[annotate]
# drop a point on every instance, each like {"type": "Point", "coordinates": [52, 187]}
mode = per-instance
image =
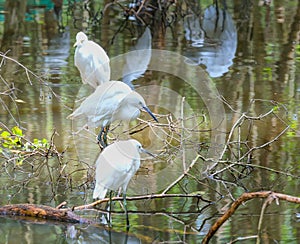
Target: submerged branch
{"type": "Point", "coordinates": [243, 198]}
{"type": "Point", "coordinates": [143, 197]}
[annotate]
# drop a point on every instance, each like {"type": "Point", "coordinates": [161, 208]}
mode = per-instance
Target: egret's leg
{"type": "Point", "coordinates": [108, 207]}
{"type": "Point", "coordinates": [102, 137]}
{"type": "Point", "coordinates": [109, 213]}
{"type": "Point", "coordinates": [99, 137]}
{"type": "Point", "coordinates": [106, 128]}
{"type": "Point", "coordinates": [125, 209]}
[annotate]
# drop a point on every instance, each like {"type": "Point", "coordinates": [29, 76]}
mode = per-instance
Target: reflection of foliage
{"type": "Point", "coordinates": [160, 14]}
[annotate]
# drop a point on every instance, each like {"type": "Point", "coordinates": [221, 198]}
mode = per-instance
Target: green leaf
{"type": "Point", "coordinates": [275, 108]}
{"type": "Point", "coordinates": [45, 142]}
{"type": "Point", "coordinates": [5, 145]}
{"type": "Point", "coordinates": [5, 134]}
{"type": "Point", "coordinates": [17, 131]}
{"type": "Point", "coordinates": [20, 161]}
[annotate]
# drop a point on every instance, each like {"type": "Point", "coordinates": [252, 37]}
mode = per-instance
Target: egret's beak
{"type": "Point", "coordinates": [77, 43]}
{"type": "Point", "coordinates": [149, 153]}
{"type": "Point", "coordinates": [149, 112]}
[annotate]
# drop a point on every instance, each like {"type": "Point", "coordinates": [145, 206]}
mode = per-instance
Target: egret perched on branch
{"type": "Point", "coordinates": [91, 61]}
{"type": "Point", "coordinates": [115, 167]}
{"type": "Point", "coordinates": [111, 101]}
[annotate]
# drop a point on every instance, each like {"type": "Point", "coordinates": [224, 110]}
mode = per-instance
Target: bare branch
{"type": "Point", "coordinates": [243, 198]}
{"type": "Point", "coordinates": [143, 197]}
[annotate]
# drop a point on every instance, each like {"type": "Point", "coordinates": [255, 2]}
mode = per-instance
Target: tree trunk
{"type": "Point", "coordinates": [14, 26]}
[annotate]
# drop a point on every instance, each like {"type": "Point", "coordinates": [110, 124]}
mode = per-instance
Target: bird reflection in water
{"type": "Point", "coordinates": [213, 40]}
{"type": "Point", "coordinates": [138, 59]}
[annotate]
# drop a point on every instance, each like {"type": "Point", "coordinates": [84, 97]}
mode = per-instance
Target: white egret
{"type": "Point", "coordinates": [115, 166]}
{"type": "Point", "coordinates": [91, 61]}
{"type": "Point", "coordinates": [111, 101]}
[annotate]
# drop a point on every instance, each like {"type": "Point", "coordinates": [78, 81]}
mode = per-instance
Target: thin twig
{"type": "Point", "coordinates": [182, 139]}
{"type": "Point", "coordinates": [182, 175]}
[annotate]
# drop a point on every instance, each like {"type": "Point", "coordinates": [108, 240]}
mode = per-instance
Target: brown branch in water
{"type": "Point", "coordinates": [243, 198]}
{"type": "Point", "coordinates": [143, 197]}
{"type": "Point", "coordinates": [42, 212]}
{"type": "Point", "coordinates": [59, 206]}
{"type": "Point", "coordinates": [67, 215]}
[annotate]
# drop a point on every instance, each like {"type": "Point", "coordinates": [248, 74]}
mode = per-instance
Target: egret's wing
{"type": "Point", "coordinates": [102, 103]}
{"type": "Point", "coordinates": [93, 63]}
{"type": "Point", "coordinates": [99, 191]}
{"type": "Point", "coordinates": [83, 56]}
{"type": "Point", "coordinates": [112, 95]}
{"type": "Point", "coordinates": [101, 67]}
{"type": "Point", "coordinates": [117, 164]}
{"type": "Point", "coordinates": [87, 107]}
{"type": "Point", "coordinates": [111, 169]}
{"type": "Point", "coordinates": [83, 60]}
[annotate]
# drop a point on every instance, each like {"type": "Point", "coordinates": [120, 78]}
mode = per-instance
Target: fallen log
{"type": "Point", "coordinates": [43, 212]}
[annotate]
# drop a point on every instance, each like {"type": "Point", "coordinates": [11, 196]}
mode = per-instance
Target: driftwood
{"type": "Point", "coordinates": [42, 212]}
{"type": "Point", "coordinates": [270, 197]}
